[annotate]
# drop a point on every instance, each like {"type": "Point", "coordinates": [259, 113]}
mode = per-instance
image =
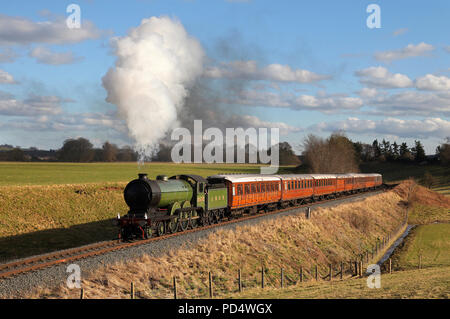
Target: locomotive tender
{"type": "Point", "coordinates": [168, 205]}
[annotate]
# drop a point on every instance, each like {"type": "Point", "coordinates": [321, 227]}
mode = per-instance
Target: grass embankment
{"type": "Point", "coordinates": [425, 283]}
{"type": "Point", "coordinates": [39, 219]}
{"type": "Point", "coordinates": [332, 235]}
{"type": "Point", "coordinates": [424, 206]}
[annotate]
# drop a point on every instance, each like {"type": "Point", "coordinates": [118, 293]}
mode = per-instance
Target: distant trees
{"type": "Point", "coordinates": [443, 152]}
{"type": "Point", "coordinates": [15, 154]}
{"type": "Point", "coordinates": [287, 155]}
{"type": "Point", "coordinates": [82, 150]}
{"type": "Point", "coordinates": [109, 152]}
{"type": "Point", "coordinates": [336, 154]}
{"type": "Point", "coordinates": [76, 150]}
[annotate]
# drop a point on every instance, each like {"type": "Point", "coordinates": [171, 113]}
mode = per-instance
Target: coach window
{"type": "Point", "coordinates": [253, 189]}
{"type": "Point", "coordinates": [234, 191]}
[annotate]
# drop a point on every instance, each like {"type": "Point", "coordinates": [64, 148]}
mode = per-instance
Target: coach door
{"type": "Point", "coordinates": [239, 194]}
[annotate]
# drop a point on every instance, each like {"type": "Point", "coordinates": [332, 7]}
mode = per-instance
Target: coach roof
{"type": "Point", "coordinates": [246, 178]}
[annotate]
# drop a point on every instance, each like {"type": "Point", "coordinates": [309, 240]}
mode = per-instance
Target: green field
{"type": "Point", "coordinates": [23, 173]}
{"type": "Point", "coordinates": [430, 241]}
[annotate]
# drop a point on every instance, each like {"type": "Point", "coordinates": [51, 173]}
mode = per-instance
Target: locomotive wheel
{"type": "Point", "coordinates": [160, 228]}
{"type": "Point", "coordinates": [215, 217]}
{"type": "Point", "coordinates": [172, 225]}
{"type": "Point", "coordinates": [184, 220]}
{"type": "Point", "coordinates": [193, 222]}
{"type": "Point", "coordinates": [185, 216]}
{"type": "Point", "coordinates": [148, 232]}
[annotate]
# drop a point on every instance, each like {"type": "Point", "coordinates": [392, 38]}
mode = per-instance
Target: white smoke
{"type": "Point", "coordinates": [157, 63]}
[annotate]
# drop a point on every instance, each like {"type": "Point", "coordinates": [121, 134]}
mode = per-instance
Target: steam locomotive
{"type": "Point", "coordinates": [167, 205]}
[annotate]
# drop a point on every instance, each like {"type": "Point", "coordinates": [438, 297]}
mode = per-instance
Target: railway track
{"type": "Point", "coordinates": [51, 259]}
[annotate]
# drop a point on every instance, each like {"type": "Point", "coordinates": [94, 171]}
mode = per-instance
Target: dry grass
{"type": "Point", "coordinates": [427, 283]}
{"type": "Point", "coordinates": [332, 235]}
{"type": "Point", "coordinates": [38, 219]}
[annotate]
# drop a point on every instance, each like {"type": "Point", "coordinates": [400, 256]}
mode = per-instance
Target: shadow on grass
{"type": "Point", "coordinates": [45, 241]}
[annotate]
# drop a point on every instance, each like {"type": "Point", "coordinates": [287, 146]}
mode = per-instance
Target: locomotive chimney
{"type": "Point", "coordinates": [142, 176]}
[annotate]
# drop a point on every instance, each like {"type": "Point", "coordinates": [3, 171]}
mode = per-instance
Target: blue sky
{"type": "Point", "coordinates": [392, 82]}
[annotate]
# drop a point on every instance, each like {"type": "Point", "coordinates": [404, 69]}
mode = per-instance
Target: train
{"type": "Point", "coordinates": [169, 205]}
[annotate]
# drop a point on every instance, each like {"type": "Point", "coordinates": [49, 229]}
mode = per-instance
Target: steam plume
{"type": "Point", "coordinates": [157, 63]}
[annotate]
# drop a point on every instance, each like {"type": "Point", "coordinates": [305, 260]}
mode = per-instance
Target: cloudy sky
{"type": "Point", "coordinates": [306, 67]}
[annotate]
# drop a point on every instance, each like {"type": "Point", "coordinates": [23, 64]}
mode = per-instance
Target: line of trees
{"type": "Point", "coordinates": [82, 150]}
{"type": "Point", "coordinates": [386, 151]}
{"type": "Point", "coordinates": [336, 153]}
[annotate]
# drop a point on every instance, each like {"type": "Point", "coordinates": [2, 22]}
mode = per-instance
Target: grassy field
{"type": "Point", "coordinates": [22, 173]}
{"type": "Point", "coordinates": [431, 241]}
{"type": "Point", "coordinates": [425, 283]}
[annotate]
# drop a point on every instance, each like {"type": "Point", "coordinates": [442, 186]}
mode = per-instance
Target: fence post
{"type": "Point", "coordinates": [239, 281]}
{"type": "Point", "coordinates": [367, 256]}
{"type": "Point", "coordinates": [210, 286]}
{"type": "Point", "coordinates": [132, 291]}
{"type": "Point", "coordinates": [282, 275]}
{"type": "Point", "coordinates": [301, 274]}
{"type": "Point", "coordinates": [356, 268]}
{"type": "Point", "coordinates": [342, 270]}
{"type": "Point", "coordinates": [262, 277]}
{"type": "Point", "coordinates": [420, 261]}
{"type": "Point", "coordinates": [174, 288]}
{"type": "Point", "coordinates": [360, 269]}
{"type": "Point", "coordinates": [316, 275]}
{"type": "Point", "coordinates": [390, 265]}
{"type": "Point", "coordinates": [82, 293]}
{"type": "Point", "coordinates": [331, 272]}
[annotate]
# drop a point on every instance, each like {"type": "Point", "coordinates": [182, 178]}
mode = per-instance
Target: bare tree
{"type": "Point", "coordinates": [336, 154]}
{"type": "Point", "coordinates": [109, 152]}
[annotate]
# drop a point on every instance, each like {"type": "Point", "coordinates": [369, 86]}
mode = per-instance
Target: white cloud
{"type": "Point", "coordinates": [45, 56]}
{"type": "Point", "coordinates": [447, 48]}
{"type": "Point", "coordinates": [433, 83]}
{"type": "Point", "coordinates": [322, 102]}
{"type": "Point", "coordinates": [411, 50]}
{"type": "Point", "coordinates": [410, 103]}
{"type": "Point", "coordinates": [274, 72]}
{"type": "Point", "coordinates": [429, 127]}
{"type": "Point", "coordinates": [6, 78]}
{"type": "Point", "coordinates": [327, 103]}
{"type": "Point", "coordinates": [33, 105]}
{"type": "Point", "coordinates": [22, 31]}
{"type": "Point", "coordinates": [382, 78]}
{"type": "Point", "coordinates": [368, 92]}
